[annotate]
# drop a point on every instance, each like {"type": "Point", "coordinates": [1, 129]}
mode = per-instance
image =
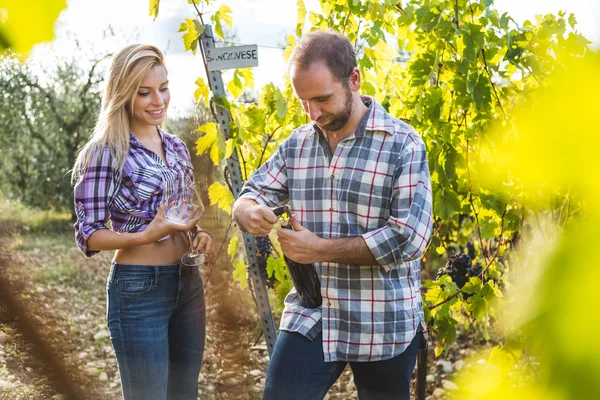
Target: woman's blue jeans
{"type": "Point", "coordinates": [156, 318]}
{"type": "Point", "coordinates": [297, 371]}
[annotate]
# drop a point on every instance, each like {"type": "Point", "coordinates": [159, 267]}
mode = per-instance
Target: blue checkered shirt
{"type": "Point", "coordinates": [377, 186]}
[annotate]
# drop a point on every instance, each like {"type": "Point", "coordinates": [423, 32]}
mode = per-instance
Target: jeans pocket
{"type": "Point", "coordinates": [135, 286]}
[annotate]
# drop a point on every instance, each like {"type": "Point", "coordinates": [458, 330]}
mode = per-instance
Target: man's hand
{"type": "Point", "coordinates": [255, 218]}
{"type": "Point", "coordinates": [300, 244]}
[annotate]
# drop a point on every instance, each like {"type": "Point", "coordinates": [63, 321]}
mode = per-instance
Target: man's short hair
{"type": "Point", "coordinates": [328, 46]}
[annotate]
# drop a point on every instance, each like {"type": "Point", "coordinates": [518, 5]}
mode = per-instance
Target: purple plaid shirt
{"type": "Point", "coordinates": [376, 185]}
{"type": "Point", "coordinates": [129, 198]}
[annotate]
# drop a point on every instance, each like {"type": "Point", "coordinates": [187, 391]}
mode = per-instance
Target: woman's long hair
{"type": "Point", "coordinates": [128, 69]}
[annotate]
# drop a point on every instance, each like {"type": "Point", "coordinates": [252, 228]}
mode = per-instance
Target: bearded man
{"type": "Point", "coordinates": [358, 184]}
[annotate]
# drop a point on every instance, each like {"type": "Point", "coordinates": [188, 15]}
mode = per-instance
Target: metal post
{"type": "Point", "coordinates": [215, 82]}
{"type": "Point", "coordinates": [421, 373]}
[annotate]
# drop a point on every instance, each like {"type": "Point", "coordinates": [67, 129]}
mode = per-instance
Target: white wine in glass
{"type": "Point", "coordinates": [181, 209]}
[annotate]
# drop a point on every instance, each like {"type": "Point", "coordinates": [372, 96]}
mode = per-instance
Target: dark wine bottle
{"type": "Point", "coordinates": [304, 276]}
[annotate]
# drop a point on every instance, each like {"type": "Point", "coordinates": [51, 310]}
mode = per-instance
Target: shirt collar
{"type": "Point", "coordinates": [375, 119]}
{"type": "Point", "coordinates": [133, 141]}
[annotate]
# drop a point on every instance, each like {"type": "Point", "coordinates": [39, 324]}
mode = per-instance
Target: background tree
{"type": "Point", "coordinates": [43, 123]}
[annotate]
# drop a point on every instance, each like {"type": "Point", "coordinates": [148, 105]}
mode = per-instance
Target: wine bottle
{"type": "Point", "coordinates": [304, 276]}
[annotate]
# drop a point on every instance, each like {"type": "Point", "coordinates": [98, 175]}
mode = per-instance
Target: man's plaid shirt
{"type": "Point", "coordinates": [376, 185]}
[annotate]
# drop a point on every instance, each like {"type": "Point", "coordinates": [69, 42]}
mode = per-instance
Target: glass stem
{"type": "Point", "coordinates": [189, 236]}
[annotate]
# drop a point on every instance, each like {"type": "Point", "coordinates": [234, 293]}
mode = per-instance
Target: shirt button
{"type": "Point", "coordinates": [331, 208]}
{"type": "Point", "coordinates": [328, 304]}
{"type": "Point", "coordinates": [332, 177]}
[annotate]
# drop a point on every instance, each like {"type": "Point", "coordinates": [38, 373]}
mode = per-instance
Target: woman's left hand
{"type": "Point", "coordinates": [203, 243]}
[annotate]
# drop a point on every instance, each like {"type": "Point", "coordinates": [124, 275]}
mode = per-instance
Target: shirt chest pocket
{"type": "Point", "coordinates": [144, 183]}
{"type": "Point", "coordinates": [366, 191]}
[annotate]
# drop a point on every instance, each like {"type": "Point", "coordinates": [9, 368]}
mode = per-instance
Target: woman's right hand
{"type": "Point", "coordinates": [160, 227]}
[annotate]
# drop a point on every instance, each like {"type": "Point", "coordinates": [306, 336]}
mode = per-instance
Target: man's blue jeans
{"type": "Point", "coordinates": [156, 318]}
{"type": "Point", "coordinates": [297, 371]}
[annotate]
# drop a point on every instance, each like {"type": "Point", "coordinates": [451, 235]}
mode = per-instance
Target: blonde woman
{"type": "Point", "coordinates": [156, 310]}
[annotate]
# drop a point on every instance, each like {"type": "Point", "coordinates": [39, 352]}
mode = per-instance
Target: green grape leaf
{"type": "Point", "coordinates": [283, 289]}
{"type": "Point", "coordinates": [421, 69]}
{"type": "Point", "coordinates": [446, 332]}
{"type": "Point", "coordinates": [473, 286]}
{"type": "Point", "coordinates": [446, 203]}
{"type": "Point", "coordinates": [280, 104]}
{"type": "Point", "coordinates": [274, 265]}
{"type": "Point", "coordinates": [221, 101]}
{"type": "Point", "coordinates": [482, 93]}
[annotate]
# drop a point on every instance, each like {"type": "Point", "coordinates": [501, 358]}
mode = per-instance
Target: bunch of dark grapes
{"type": "Point", "coordinates": [471, 250]}
{"type": "Point", "coordinates": [460, 268]}
{"type": "Point", "coordinates": [475, 270]}
{"type": "Point", "coordinates": [265, 248]}
{"type": "Point", "coordinates": [457, 268]}
{"type": "Point", "coordinates": [263, 245]}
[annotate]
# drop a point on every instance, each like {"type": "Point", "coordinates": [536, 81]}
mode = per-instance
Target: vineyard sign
{"type": "Point", "coordinates": [220, 58]}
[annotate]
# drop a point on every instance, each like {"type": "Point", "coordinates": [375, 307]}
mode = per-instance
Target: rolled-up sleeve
{"type": "Point", "coordinates": [405, 235]}
{"type": "Point", "coordinates": [93, 196]}
{"type": "Point", "coordinates": [268, 184]}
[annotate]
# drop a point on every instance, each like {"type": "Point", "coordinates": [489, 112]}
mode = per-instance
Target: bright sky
{"type": "Point", "coordinates": [262, 22]}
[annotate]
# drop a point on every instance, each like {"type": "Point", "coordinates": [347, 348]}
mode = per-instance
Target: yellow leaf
{"type": "Point", "coordinates": [229, 147]}
{"type": "Point", "coordinates": [240, 273]}
{"type": "Point", "coordinates": [460, 45]}
{"type": "Point", "coordinates": [202, 92]}
{"type": "Point", "coordinates": [225, 14]}
{"type": "Point", "coordinates": [235, 86]}
{"type": "Point", "coordinates": [153, 6]}
{"type": "Point", "coordinates": [209, 138]}
{"type": "Point", "coordinates": [540, 153]}
{"type": "Point", "coordinates": [291, 41]}
{"type": "Point", "coordinates": [190, 36]}
{"type": "Point", "coordinates": [248, 76]}
{"type": "Point", "coordinates": [215, 153]}
{"type": "Point", "coordinates": [220, 194]}
{"type": "Point", "coordinates": [385, 52]}
{"type": "Point", "coordinates": [233, 246]}
{"type": "Point", "coordinates": [395, 107]}
{"type": "Point", "coordinates": [27, 23]}
{"type": "Point", "coordinates": [301, 17]}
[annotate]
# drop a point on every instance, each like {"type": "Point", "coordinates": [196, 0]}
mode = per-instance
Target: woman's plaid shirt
{"type": "Point", "coordinates": [129, 197]}
{"type": "Point", "coordinates": [376, 185]}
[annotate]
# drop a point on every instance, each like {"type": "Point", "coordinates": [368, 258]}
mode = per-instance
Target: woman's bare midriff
{"type": "Point", "coordinates": [167, 251]}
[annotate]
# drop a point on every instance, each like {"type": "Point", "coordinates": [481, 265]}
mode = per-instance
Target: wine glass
{"type": "Point", "coordinates": [184, 206]}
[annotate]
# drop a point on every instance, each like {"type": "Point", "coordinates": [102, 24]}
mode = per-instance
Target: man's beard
{"type": "Point", "coordinates": [336, 121]}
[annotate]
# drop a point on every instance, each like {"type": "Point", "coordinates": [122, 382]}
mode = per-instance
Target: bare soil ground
{"type": "Point", "coordinates": [64, 294]}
